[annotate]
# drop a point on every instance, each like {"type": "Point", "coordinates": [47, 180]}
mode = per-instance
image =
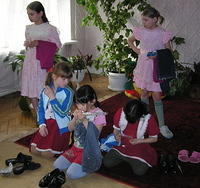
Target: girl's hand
{"type": "Point", "coordinates": [135, 141]}
{"type": "Point", "coordinates": [49, 92]}
{"type": "Point", "coordinates": [152, 57]}
{"type": "Point", "coordinates": [80, 115]}
{"type": "Point", "coordinates": [43, 131]}
{"type": "Point", "coordinates": [33, 43]}
{"type": "Point", "coordinates": [26, 43]}
{"type": "Point", "coordinates": [118, 137]}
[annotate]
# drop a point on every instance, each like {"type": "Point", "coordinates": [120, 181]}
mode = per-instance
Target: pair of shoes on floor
{"type": "Point", "coordinates": [19, 164]}
{"type": "Point", "coordinates": [164, 130]}
{"type": "Point", "coordinates": [169, 165]}
{"type": "Point", "coordinates": [54, 179]}
{"type": "Point", "coordinates": [183, 156]}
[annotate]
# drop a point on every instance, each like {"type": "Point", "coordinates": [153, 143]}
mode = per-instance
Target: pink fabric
{"type": "Point", "coordinates": [150, 40]}
{"type": "Point", "coordinates": [33, 77]}
{"type": "Point", "coordinates": [100, 119]}
{"type": "Point", "coordinates": [45, 52]}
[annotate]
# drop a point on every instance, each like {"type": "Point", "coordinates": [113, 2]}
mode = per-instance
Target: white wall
{"type": "Point", "coordinates": [181, 17]}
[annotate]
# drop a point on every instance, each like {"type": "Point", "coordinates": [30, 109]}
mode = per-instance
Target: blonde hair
{"type": "Point", "coordinates": [60, 70]}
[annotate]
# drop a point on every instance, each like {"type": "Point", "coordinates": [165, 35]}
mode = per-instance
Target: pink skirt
{"type": "Point", "coordinates": [33, 77]}
{"type": "Point", "coordinates": [54, 142]}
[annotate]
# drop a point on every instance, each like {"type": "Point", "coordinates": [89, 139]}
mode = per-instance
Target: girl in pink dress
{"type": "Point", "coordinates": [152, 38]}
{"type": "Point", "coordinates": [33, 76]}
{"type": "Point", "coordinates": [134, 129]}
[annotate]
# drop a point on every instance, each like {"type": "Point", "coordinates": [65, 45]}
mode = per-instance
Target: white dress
{"type": "Point", "coordinates": [33, 77]}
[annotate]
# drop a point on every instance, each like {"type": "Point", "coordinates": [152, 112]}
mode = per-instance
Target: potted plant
{"type": "Point", "coordinates": [114, 52]}
{"type": "Point", "coordinates": [79, 63]}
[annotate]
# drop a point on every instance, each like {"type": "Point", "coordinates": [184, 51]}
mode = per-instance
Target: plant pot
{"type": "Point", "coordinates": [78, 75]}
{"type": "Point", "coordinates": [117, 81]}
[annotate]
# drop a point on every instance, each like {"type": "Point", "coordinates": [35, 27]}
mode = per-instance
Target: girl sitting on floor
{"type": "Point", "coordinates": [53, 116]}
{"type": "Point", "coordinates": [135, 129]}
{"type": "Point", "coordinates": [84, 156]}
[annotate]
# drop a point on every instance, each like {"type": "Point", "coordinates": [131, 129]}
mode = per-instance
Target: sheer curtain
{"type": "Point", "coordinates": [14, 18]}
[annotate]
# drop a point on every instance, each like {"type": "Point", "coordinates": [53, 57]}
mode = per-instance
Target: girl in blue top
{"type": "Point", "coordinates": [55, 102]}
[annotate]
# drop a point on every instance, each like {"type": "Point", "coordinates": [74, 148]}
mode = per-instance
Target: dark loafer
{"type": "Point", "coordinates": [46, 180]}
{"type": "Point", "coordinates": [173, 165]}
{"type": "Point", "coordinates": [21, 158]}
{"type": "Point", "coordinates": [57, 181]}
{"type": "Point", "coordinates": [28, 165]}
{"type": "Point", "coordinates": [163, 164]}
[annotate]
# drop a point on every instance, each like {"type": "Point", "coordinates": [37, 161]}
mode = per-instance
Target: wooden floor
{"type": "Point", "coordinates": [14, 122]}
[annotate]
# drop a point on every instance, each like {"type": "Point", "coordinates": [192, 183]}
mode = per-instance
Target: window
{"type": "Point", "coordinates": [14, 19]}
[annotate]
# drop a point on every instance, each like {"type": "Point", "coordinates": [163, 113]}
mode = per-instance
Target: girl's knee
{"type": "Point", "coordinates": [61, 163]}
{"type": "Point", "coordinates": [108, 163]}
{"type": "Point", "coordinates": [57, 164]}
{"type": "Point", "coordinates": [74, 175]}
{"type": "Point", "coordinates": [75, 171]}
{"type": "Point", "coordinates": [144, 94]}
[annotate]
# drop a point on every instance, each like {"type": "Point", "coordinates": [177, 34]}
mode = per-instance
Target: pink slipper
{"type": "Point", "coordinates": [183, 156]}
{"type": "Point", "coordinates": [195, 157]}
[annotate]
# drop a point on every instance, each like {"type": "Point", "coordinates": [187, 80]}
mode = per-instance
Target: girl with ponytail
{"type": "Point", "coordinates": [152, 37]}
{"type": "Point", "coordinates": [53, 115]}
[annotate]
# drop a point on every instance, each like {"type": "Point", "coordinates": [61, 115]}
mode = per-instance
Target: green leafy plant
{"type": "Point", "coordinates": [15, 61]}
{"type": "Point", "coordinates": [81, 62]}
{"type": "Point", "coordinates": [78, 62]}
{"type": "Point", "coordinates": [180, 85]}
{"type": "Point", "coordinates": [114, 52]}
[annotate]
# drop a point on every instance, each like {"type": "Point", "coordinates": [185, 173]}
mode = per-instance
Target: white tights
{"type": "Point", "coordinates": [72, 170]}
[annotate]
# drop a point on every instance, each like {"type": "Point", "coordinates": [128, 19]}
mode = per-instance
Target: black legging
{"type": "Point", "coordinates": [113, 158]}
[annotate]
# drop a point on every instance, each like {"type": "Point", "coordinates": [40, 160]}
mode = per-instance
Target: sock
{"type": "Point", "coordinates": [159, 112]}
{"type": "Point", "coordinates": [145, 100]}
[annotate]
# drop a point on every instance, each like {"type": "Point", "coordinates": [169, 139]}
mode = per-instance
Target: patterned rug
{"type": "Point", "coordinates": [183, 118]}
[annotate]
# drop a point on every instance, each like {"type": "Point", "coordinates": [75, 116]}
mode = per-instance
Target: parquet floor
{"type": "Point", "coordinates": [13, 121]}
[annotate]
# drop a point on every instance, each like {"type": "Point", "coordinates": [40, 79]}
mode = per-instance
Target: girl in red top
{"type": "Point", "coordinates": [135, 129]}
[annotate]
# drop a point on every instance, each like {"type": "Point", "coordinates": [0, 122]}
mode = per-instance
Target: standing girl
{"type": "Point", "coordinates": [151, 37]}
{"type": "Point", "coordinates": [135, 129]}
{"type": "Point", "coordinates": [54, 104]}
{"type": "Point", "coordinates": [33, 76]}
{"type": "Point", "coordinates": [84, 156]}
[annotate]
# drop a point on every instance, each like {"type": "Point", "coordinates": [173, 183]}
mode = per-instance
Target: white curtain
{"type": "Point", "coordinates": [14, 18]}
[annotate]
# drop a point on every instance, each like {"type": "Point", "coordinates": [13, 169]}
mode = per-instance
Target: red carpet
{"type": "Point", "coordinates": [183, 118]}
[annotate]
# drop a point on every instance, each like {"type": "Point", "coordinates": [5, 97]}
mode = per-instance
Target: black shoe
{"type": "Point", "coordinates": [21, 158]}
{"type": "Point", "coordinates": [28, 165]}
{"type": "Point", "coordinates": [57, 181]}
{"type": "Point", "coordinates": [173, 166]}
{"type": "Point", "coordinates": [46, 180]}
{"type": "Point", "coordinates": [163, 164]}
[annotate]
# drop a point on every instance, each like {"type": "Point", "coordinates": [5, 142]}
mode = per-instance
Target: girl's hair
{"type": "Point", "coordinates": [153, 13]}
{"type": "Point", "coordinates": [86, 94]}
{"type": "Point", "coordinates": [60, 70]}
{"type": "Point", "coordinates": [38, 7]}
{"type": "Point", "coordinates": [134, 110]}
